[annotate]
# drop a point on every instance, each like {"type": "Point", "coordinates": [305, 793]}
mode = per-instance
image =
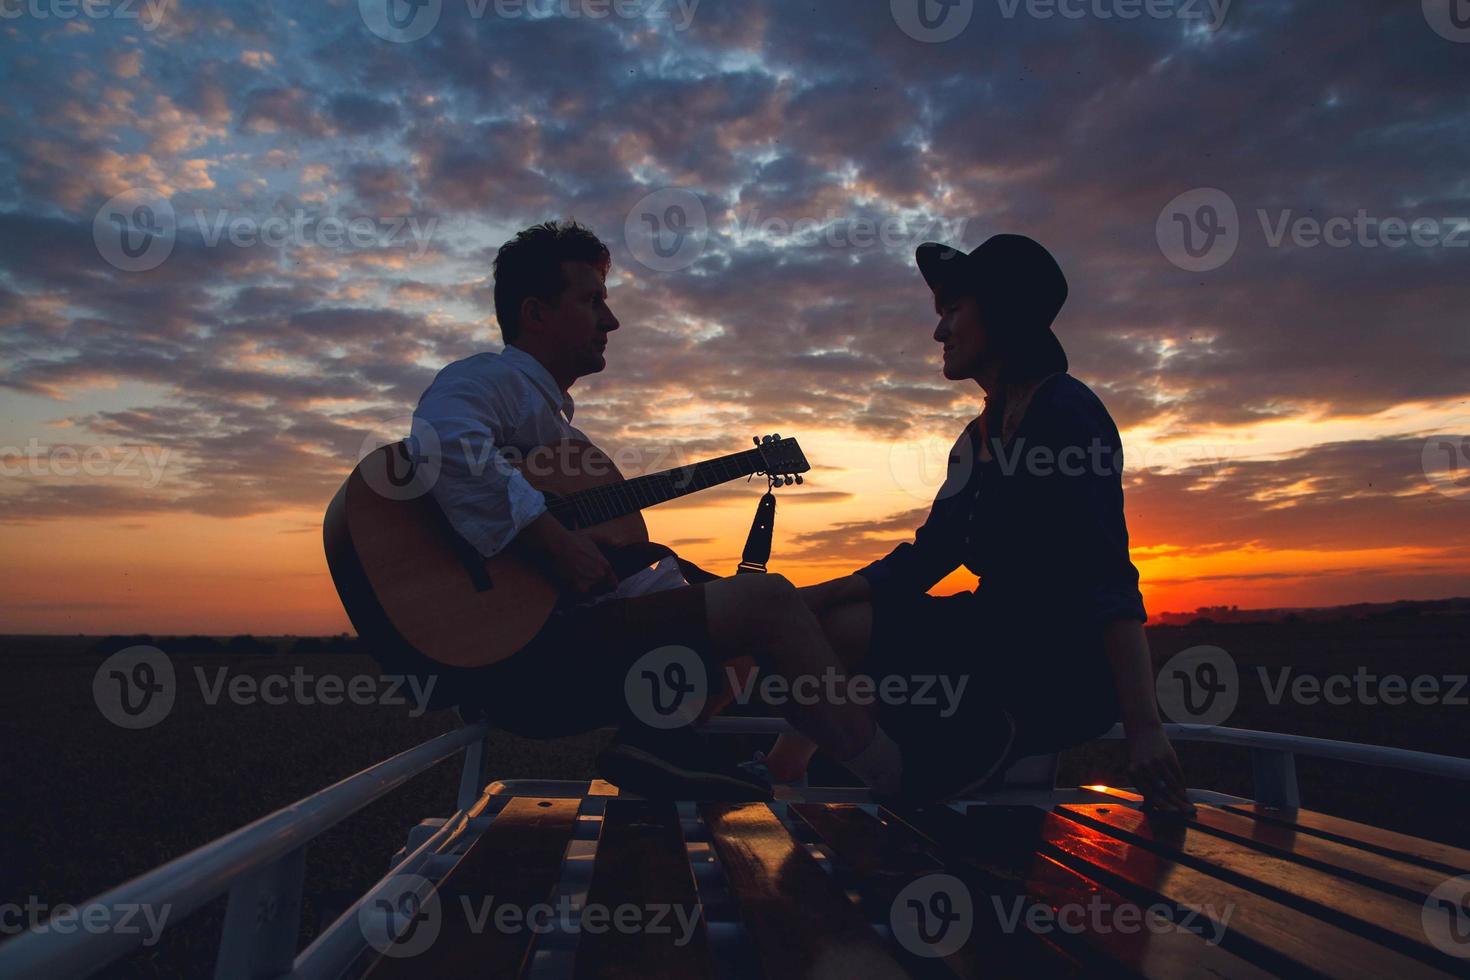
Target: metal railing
{"type": "Point", "coordinates": [261, 865]}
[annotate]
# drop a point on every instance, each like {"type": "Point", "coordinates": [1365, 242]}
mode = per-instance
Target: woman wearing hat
{"type": "Point", "coordinates": [1049, 651]}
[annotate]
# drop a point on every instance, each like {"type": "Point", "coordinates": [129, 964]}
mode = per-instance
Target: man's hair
{"type": "Point", "coordinates": [529, 265]}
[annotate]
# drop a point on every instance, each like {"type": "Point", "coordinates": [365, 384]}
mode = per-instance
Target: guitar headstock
{"type": "Point", "coordinates": [782, 459]}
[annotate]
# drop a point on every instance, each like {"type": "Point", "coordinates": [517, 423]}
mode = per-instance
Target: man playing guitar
{"type": "Point", "coordinates": [551, 303]}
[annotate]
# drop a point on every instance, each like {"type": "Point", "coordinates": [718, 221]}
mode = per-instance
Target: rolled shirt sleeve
{"type": "Point", "coordinates": [486, 500]}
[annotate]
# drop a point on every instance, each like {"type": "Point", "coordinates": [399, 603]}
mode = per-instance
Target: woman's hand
{"type": "Point", "coordinates": [1156, 772]}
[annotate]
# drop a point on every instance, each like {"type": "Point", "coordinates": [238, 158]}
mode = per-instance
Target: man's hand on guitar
{"type": "Point", "coordinates": [571, 559]}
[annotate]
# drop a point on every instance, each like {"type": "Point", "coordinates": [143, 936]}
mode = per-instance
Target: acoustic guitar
{"type": "Point", "coordinates": [409, 581]}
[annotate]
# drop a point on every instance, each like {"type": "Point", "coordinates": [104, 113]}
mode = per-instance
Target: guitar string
{"type": "Point", "coordinates": [596, 505]}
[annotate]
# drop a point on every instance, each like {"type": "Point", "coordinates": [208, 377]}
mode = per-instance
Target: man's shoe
{"type": "Point", "coordinates": [679, 765]}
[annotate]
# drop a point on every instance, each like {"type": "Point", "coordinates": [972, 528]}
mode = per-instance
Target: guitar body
{"type": "Point", "coordinates": [405, 577]}
{"type": "Point", "coordinates": [414, 588]}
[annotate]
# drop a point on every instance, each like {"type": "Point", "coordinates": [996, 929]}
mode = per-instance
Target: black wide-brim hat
{"type": "Point", "coordinates": [1019, 286]}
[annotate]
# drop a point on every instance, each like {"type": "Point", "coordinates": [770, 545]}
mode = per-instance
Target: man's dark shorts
{"type": "Point", "coordinates": [570, 679]}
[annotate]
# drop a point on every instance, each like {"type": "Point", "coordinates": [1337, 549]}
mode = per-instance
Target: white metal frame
{"type": "Point", "coordinates": [261, 865]}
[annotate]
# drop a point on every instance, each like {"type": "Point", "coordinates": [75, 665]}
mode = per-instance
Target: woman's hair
{"type": "Point", "coordinates": [1024, 358]}
{"type": "Point", "coordinates": [529, 265]}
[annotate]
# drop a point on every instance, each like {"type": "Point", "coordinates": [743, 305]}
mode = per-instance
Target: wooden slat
{"type": "Point", "coordinates": [1385, 919]}
{"type": "Point", "coordinates": [888, 854]}
{"type": "Point", "coordinates": [1432, 854]}
{"type": "Point", "coordinates": [642, 861]}
{"type": "Point", "coordinates": [1001, 843]}
{"type": "Point", "coordinates": [800, 922]}
{"type": "Point", "coordinates": [601, 787]}
{"type": "Point", "coordinates": [517, 860]}
{"type": "Point", "coordinates": [1282, 938]}
{"type": "Point", "coordinates": [1408, 880]}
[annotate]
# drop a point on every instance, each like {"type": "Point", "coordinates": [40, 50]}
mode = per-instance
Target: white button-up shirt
{"type": "Point", "coordinates": [483, 403]}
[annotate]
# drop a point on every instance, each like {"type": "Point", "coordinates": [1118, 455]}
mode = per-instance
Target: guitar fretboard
{"type": "Point", "coordinates": [599, 504]}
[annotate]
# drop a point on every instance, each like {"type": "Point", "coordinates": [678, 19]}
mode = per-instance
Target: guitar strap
{"type": "Point", "coordinates": [758, 542]}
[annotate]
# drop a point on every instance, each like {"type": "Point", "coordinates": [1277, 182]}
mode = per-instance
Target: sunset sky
{"type": "Point", "coordinates": [170, 435]}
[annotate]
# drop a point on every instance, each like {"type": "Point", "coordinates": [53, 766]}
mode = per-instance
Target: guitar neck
{"type": "Point", "coordinates": [598, 504]}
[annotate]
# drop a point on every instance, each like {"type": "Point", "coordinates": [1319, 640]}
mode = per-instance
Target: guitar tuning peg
{"type": "Point", "coordinates": [790, 479]}
{"type": "Point", "coordinates": [777, 436]}
{"type": "Point", "coordinates": [799, 480]}
{"type": "Point", "coordinates": [756, 440]}
{"type": "Point", "coordinates": [766, 440]}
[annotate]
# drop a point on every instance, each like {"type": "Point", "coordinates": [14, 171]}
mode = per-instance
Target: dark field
{"type": "Point", "coordinates": [89, 804]}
